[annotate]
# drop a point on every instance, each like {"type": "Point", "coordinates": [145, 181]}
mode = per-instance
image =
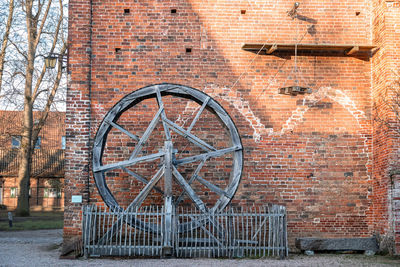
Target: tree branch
{"type": "Point", "coordinates": [55, 40]}
{"type": "Point", "coordinates": [39, 33]}
{"type": "Point", "coordinates": [5, 39]}
{"type": "Point", "coordinates": [50, 99]}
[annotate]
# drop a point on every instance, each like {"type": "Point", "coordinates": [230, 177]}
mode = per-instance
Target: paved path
{"type": "Point", "coordinates": [42, 248]}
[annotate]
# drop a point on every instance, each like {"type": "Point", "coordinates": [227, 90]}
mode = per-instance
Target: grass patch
{"type": "Point", "coordinates": [32, 225]}
{"type": "Point", "coordinates": [47, 214]}
{"type": "Point", "coordinates": [37, 220]}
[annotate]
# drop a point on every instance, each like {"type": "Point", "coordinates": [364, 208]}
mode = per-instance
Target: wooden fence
{"type": "Point", "coordinates": [254, 232]}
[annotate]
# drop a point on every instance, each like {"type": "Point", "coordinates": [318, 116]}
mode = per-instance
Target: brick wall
{"type": "Point", "coordinates": [312, 153]}
{"type": "Point", "coordinates": [384, 208]}
{"type": "Point", "coordinates": [77, 121]}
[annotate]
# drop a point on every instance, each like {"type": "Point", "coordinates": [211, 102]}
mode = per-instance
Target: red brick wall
{"type": "Point", "coordinates": [385, 190]}
{"type": "Point", "coordinates": [392, 47]}
{"type": "Point", "coordinates": [312, 153]}
{"type": "Point", "coordinates": [77, 114]}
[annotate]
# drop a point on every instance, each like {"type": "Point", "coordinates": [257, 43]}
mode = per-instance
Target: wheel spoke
{"type": "Point", "coordinates": [146, 134]}
{"type": "Point", "coordinates": [126, 163]}
{"type": "Point", "coordinates": [198, 114]}
{"type": "Point", "coordinates": [163, 116]}
{"type": "Point", "coordinates": [195, 198]}
{"type": "Point", "coordinates": [119, 127]}
{"type": "Point", "coordinates": [141, 179]}
{"type": "Point", "coordinates": [212, 187]}
{"type": "Point", "coordinates": [146, 190]}
{"type": "Point", "coordinates": [194, 139]}
{"type": "Point", "coordinates": [212, 154]}
{"type": "Point", "coordinates": [194, 176]}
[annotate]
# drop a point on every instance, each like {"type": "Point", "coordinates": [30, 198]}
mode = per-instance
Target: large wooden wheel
{"type": "Point", "coordinates": [170, 166]}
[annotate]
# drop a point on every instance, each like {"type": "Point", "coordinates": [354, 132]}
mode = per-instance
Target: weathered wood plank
{"type": "Point", "coordinates": [146, 134]}
{"type": "Point", "coordinates": [122, 129]}
{"type": "Point", "coordinates": [316, 244]}
{"type": "Point", "coordinates": [195, 198]}
{"type": "Point", "coordinates": [191, 137]}
{"type": "Point", "coordinates": [211, 154]}
{"type": "Point", "coordinates": [163, 115]}
{"type": "Point", "coordinates": [211, 186]}
{"type": "Point", "coordinates": [192, 178]}
{"type": "Point", "coordinates": [126, 163]}
{"type": "Point", "coordinates": [272, 49]}
{"type": "Point", "coordinates": [352, 50]}
{"type": "Point", "coordinates": [308, 47]}
{"type": "Point", "coordinates": [142, 179]}
{"type": "Point", "coordinates": [198, 114]}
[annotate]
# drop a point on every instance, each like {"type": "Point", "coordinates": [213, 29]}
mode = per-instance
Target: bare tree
{"type": "Point", "coordinates": [37, 30]}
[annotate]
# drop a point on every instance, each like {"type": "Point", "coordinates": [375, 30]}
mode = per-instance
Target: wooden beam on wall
{"type": "Point", "coordinates": [273, 48]}
{"type": "Point", "coordinates": [353, 50]}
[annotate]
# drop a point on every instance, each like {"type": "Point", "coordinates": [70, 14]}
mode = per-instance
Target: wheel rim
{"type": "Point", "coordinates": [160, 92]}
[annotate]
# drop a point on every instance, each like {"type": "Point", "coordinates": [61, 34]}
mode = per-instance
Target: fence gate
{"type": "Point", "coordinates": [144, 145]}
{"type": "Point", "coordinates": [257, 232]}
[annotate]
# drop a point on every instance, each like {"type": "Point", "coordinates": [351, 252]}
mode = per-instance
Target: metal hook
{"type": "Point", "coordinates": [293, 12]}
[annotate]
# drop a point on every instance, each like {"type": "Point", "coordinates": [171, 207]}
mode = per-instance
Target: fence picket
{"type": "Point", "coordinates": [90, 225]}
{"type": "Point", "coordinates": [84, 230]}
{"type": "Point", "coordinates": [94, 225]}
{"type": "Point", "coordinates": [264, 212]}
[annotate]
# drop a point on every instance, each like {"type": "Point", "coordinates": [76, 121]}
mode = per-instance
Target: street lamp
{"type": "Point", "coordinates": [50, 61]}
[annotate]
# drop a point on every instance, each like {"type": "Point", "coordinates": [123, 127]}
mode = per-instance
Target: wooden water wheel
{"type": "Point", "coordinates": [171, 102]}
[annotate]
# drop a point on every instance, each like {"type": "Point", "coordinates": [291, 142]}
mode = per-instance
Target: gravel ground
{"type": "Point", "coordinates": [42, 248]}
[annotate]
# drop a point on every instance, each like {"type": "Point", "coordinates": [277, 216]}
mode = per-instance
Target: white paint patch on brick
{"type": "Point", "coordinates": [191, 109]}
{"type": "Point", "coordinates": [242, 106]}
{"type": "Point", "coordinates": [344, 100]}
{"type": "Point", "coordinates": [297, 117]}
{"type": "Point", "coordinates": [234, 99]}
{"type": "Point", "coordinates": [337, 96]}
